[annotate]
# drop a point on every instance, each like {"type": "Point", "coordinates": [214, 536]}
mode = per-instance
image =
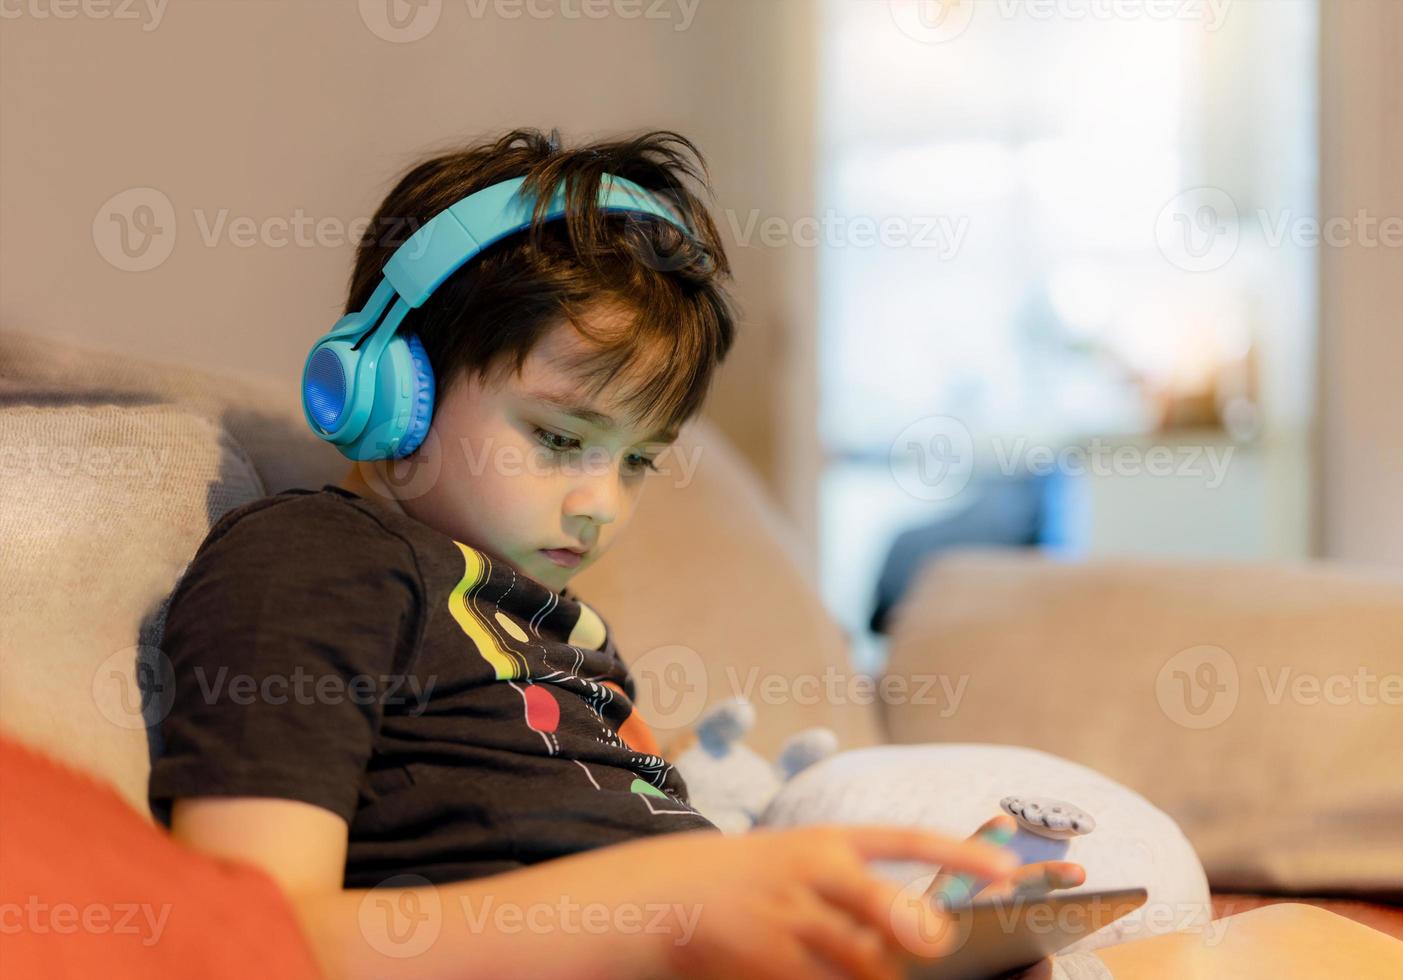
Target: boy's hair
{"type": "Point", "coordinates": [663, 314]}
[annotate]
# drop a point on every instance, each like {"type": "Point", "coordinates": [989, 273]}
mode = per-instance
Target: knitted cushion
{"type": "Point", "coordinates": [100, 509]}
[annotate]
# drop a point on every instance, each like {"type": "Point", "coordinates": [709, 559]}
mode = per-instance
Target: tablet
{"type": "Point", "coordinates": [996, 936]}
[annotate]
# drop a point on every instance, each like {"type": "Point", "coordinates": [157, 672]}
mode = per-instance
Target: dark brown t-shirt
{"type": "Point", "coordinates": [462, 717]}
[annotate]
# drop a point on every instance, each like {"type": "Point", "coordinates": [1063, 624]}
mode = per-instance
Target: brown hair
{"type": "Point", "coordinates": [677, 322]}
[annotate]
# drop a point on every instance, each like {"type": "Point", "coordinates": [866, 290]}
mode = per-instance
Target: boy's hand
{"type": "Point", "coordinates": [796, 904]}
{"type": "Point", "coordinates": [786, 904]}
{"type": "Point", "coordinates": [1028, 881]}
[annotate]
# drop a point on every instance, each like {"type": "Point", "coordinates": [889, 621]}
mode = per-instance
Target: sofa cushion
{"type": "Point", "coordinates": [1259, 705]}
{"type": "Point", "coordinates": [101, 507]}
{"type": "Point", "coordinates": [90, 889]}
{"type": "Point", "coordinates": [266, 420]}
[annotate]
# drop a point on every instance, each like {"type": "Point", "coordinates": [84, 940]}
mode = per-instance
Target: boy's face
{"type": "Point", "coordinates": [518, 474]}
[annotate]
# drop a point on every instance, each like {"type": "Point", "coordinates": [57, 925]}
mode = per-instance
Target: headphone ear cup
{"type": "Point", "coordinates": [326, 384]}
{"type": "Point", "coordinates": [421, 409]}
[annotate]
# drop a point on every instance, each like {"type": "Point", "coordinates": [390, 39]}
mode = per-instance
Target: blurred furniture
{"type": "Point", "coordinates": [1007, 512]}
{"type": "Point", "coordinates": [1260, 705]}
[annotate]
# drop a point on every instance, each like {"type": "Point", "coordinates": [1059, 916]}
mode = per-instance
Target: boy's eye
{"type": "Point", "coordinates": [555, 441]}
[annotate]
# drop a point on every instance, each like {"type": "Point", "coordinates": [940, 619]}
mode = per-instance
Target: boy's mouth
{"type": "Point", "coordinates": [563, 557]}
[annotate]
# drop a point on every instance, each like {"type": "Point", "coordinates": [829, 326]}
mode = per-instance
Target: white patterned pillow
{"type": "Point", "coordinates": [953, 789]}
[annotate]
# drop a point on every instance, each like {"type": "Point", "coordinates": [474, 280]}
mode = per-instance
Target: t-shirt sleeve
{"type": "Point", "coordinates": [283, 636]}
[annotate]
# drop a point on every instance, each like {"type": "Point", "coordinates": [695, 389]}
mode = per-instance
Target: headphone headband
{"type": "Point", "coordinates": [456, 235]}
{"type": "Point", "coordinates": [343, 382]}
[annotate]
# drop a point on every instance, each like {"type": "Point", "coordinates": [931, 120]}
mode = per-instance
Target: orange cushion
{"type": "Point", "coordinates": [89, 887]}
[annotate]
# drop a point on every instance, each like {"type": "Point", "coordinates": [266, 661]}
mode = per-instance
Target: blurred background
{"type": "Point", "coordinates": [1083, 276]}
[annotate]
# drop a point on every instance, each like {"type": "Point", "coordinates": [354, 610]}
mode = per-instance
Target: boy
{"type": "Point", "coordinates": [388, 698]}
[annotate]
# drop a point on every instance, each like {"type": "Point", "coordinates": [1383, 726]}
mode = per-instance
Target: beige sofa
{"type": "Point", "coordinates": [113, 469]}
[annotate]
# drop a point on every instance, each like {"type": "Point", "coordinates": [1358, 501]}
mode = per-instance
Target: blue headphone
{"type": "Point", "coordinates": [370, 391]}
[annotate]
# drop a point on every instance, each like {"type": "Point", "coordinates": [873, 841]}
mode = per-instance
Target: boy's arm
{"type": "Point", "coordinates": [439, 932]}
{"type": "Point", "coordinates": [503, 925]}
{"type": "Point", "coordinates": [301, 846]}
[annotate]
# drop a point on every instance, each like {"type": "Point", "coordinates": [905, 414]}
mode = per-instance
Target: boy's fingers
{"type": "Point", "coordinates": [1037, 879]}
{"type": "Point", "coordinates": [899, 915]}
{"type": "Point", "coordinates": [866, 898]}
{"type": "Point", "coordinates": [859, 951]}
{"type": "Point", "coordinates": [998, 820]}
{"type": "Point", "coordinates": [915, 844]}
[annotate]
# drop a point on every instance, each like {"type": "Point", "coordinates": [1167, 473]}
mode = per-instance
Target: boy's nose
{"type": "Point", "coordinates": [595, 494]}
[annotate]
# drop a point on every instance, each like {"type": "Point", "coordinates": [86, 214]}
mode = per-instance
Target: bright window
{"type": "Point", "coordinates": [1088, 215]}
